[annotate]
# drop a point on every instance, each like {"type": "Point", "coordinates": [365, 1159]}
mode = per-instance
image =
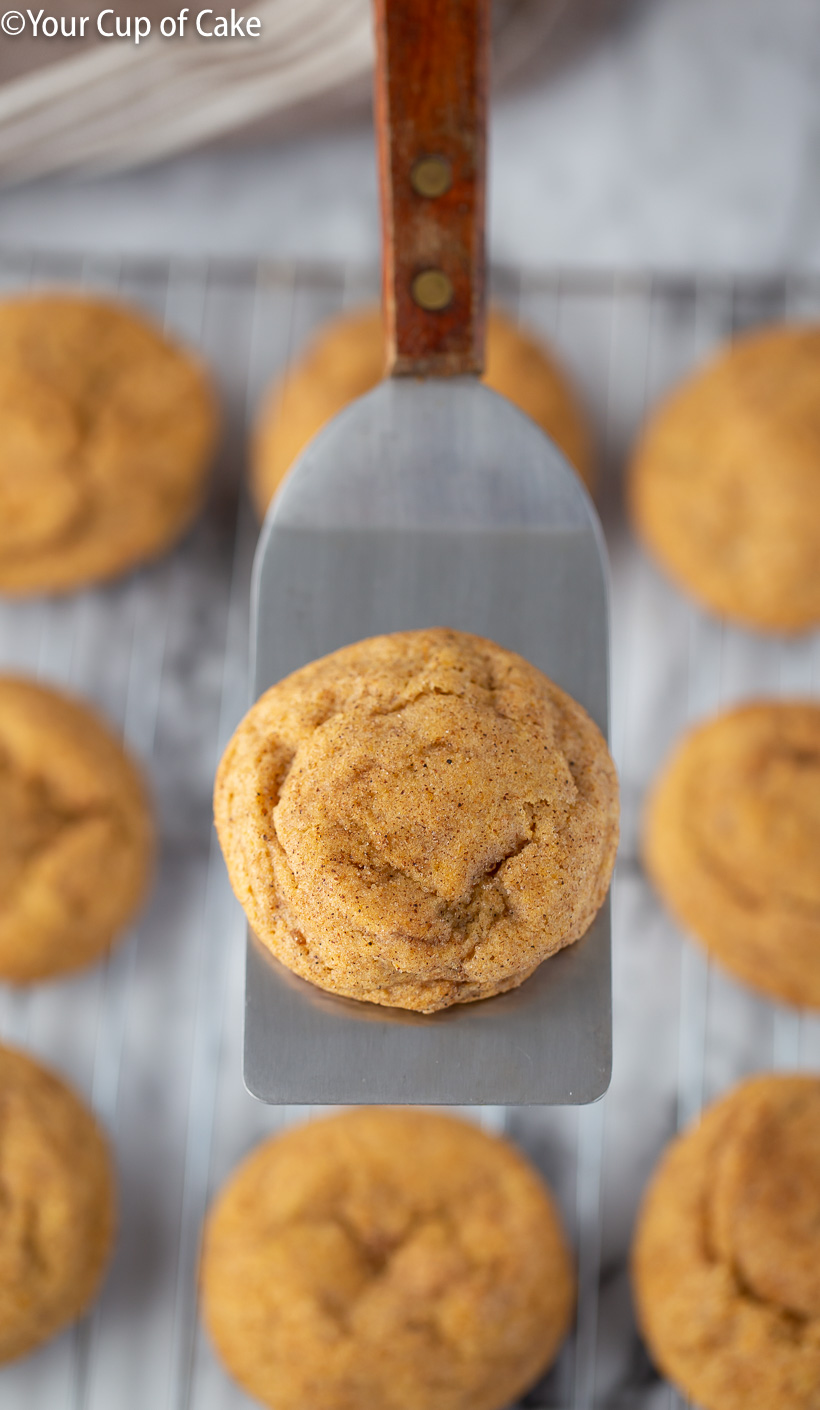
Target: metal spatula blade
{"type": "Point", "coordinates": [434, 504]}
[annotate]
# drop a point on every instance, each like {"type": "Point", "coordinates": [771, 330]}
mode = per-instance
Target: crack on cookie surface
{"type": "Point", "coordinates": [425, 799]}
{"type": "Point", "coordinates": [401, 1249]}
{"type": "Point", "coordinates": [76, 840]}
{"type": "Point", "coordinates": [56, 1205]}
{"type": "Point", "coordinates": [35, 821]}
{"type": "Point", "coordinates": [732, 840]}
{"type": "Point", "coordinates": [709, 1315]}
{"type": "Point", "coordinates": [106, 430]}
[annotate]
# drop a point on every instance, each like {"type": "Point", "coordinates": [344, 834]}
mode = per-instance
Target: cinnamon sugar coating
{"type": "Point", "coordinates": [57, 1205]}
{"type": "Point", "coordinates": [76, 833]}
{"type": "Point", "coordinates": [727, 1251]}
{"type": "Point", "coordinates": [385, 1258]}
{"type": "Point", "coordinates": [418, 820]}
{"type": "Point", "coordinates": [732, 840]}
{"type": "Point", "coordinates": [107, 430]}
{"type": "Point", "coordinates": [725, 482]}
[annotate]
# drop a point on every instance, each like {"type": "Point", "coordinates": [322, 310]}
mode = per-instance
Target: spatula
{"type": "Point", "coordinates": [432, 501]}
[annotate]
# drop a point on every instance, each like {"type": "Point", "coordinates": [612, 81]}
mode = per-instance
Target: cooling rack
{"type": "Point", "coordinates": [153, 1037]}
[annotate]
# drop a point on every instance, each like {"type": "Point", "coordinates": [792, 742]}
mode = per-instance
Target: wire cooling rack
{"type": "Point", "coordinates": [153, 1037]}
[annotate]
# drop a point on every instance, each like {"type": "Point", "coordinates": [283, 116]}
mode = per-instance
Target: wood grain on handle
{"type": "Point", "coordinates": [431, 101]}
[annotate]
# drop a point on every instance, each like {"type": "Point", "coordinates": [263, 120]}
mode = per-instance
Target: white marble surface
{"type": "Point", "coordinates": [688, 137]}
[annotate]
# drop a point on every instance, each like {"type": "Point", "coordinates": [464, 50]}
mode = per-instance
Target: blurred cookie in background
{"type": "Point", "coordinates": [58, 1205]}
{"type": "Point", "coordinates": [726, 1258]}
{"type": "Point", "coordinates": [386, 1258]}
{"type": "Point", "coordinates": [76, 834]}
{"type": "Point", "coordinates": [732, 842]}
{"type": "Point", "coordinates": [107, 431]}
{"type": "Point", "coordinates": [725, 482]}
{"type": "Point", "coordinates": [346, 359]}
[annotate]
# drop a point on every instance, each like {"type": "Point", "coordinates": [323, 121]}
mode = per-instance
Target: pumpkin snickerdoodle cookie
{"type": "Point", "coordinates": [76, 836]}
{"type": "Point", "coordinates": [727, 1251]}
{"type": "Point", "coordinates": [57, 1205]}
{"type": "Point", "coordinates": [346, 359]}
{"type": "Point", "coordinates": [725, 483]}
{"type": "Point", "coordinates": [418, 819]}
{"type": "Point", "coordinates": [106, 433]}
{"type": "Point", "coordinates": [381, 1258]}
{"type": "Point", "coordinates": [732, 840]}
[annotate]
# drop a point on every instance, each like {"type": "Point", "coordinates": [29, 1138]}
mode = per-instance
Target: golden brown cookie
{"type": "Point", "coordinates": [385, 1260]}
{"type": "Point", "coordinates": [725, 483]}
{"type": "Point", "coordinates": [346, 360]}
{"type": "Point", "coordinates": [106, 433]}
{"type": "Point", "coordinates": [76, 836]}
{"type": "Point", "coordinates": [57, 1205]}
{"type": "Point", "coordinates": [732, 842]}
{"type": "Point", "coordinates": [726, 1258]}
{"type": "Point", "coordinates": [418, 820]}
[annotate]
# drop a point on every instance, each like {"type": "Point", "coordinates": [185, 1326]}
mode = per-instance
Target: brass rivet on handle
{"type": "Point", "coordinates": [432, 290]}
{"type": "Point", "coordinates": [431, 176]}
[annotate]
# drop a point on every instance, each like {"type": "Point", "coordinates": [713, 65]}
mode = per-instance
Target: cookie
{"type": "Point", "coordinates": [107, 429]}
{"type": "Point", "coordinates": [398, 1260]}
{"type": "Point", "coordinates": [57, 1205]}
{"type": "Point", "coordinates": [726, 1259]}
{"type": "Point", "coordinates": [417, 820]}
{"type": "Point", "coordinates": [732, 841]}
{"type": "Point", "coordinates": [346, 359]}
{"type": "Point", "coordinates": [76, 835]}
{"type": "Point", "coordinates": [725, 483]}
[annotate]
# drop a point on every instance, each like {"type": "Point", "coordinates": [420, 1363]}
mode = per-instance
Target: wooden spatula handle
{"type": "Point", "coordinates": [432, 59]}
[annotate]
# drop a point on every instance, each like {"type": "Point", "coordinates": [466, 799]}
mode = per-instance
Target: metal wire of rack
{"type": "Point", "coordinates": [153, 1037]}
